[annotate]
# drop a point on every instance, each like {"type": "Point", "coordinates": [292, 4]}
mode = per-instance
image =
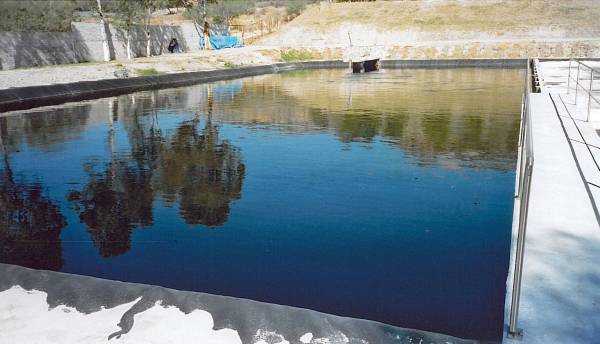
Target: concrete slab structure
{"type": "Point", "coordinates": [560, 297]}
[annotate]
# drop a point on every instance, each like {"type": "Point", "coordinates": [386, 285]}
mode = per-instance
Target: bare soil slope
{"type": "Point", "coordinates": [450, 28]}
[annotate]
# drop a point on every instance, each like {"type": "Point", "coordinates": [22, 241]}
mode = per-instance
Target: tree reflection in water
{"type": "Point", "coordinates": [112, 204]}
{"type": "Point", "coordinates": [30, 223]}
{"type": "Point", "coordinates": [196, 169]}
{"type": "Point", "coordinates": [120, 198]}
{"type": "Point", "coordinates": [204, 171]}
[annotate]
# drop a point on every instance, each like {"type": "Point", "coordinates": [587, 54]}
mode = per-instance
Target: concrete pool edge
{"type": "Point", "coordinates": [253, 321]}
{"type": "Point", "coordinates": [23, 98]}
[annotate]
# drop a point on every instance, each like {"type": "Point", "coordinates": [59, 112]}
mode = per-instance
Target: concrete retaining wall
{"type": "Point", "coordinates": [35, 96]}
{"type": "Point", "coordinates": [583, 48]}
{"type": "Point", "coordinates": [496, 50]}
{"type": "Point", "coordinates": [84, 43]}
{"type": "Point", "coordinates": [455, 63]}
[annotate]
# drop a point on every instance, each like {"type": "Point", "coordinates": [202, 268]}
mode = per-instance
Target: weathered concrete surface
{"type": "Point", "coordinates": [128, 303]}
{"type": "Point", "coordinates": [560, 297]}
{"type": "Point", "coordinates": [456, 63]}
{"type": "Point", "coordinates": [84, 43]}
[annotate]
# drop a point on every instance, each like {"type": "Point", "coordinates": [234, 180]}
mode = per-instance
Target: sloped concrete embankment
{"type": "Point", "coordinates": [133, 311]}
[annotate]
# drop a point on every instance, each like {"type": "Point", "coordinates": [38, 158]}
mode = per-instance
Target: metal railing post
{"type": "Point", "coordinates": [577, 82]}
{"type": "Point", "coordinates": [569, 78]}
{"type": "Point", "coordinates": [590, 95]}
{"type": "Point", "coordinates": [522, 132]}
{"type": "Point", "coordinates": [516, 292]}
{"type": "Point", "coordinates": [524, 174]}
{"type": "Point", "coordinates": [523, 149]}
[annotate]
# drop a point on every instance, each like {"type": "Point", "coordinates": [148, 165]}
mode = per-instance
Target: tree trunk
{"type": "Point", "coordinates": [149, 16]}
{"type": "Point", "coordinates": [148, 52]}
{"type": "Point", "coordinates": [206, 30]}
{"type": "Point", "coordinates": [206, 36]}
{"type": "Point", "coordinates": [128, 45]}
{"type": "Point", "coordinates": [199, 20]}
{"type": "Point", "coordinates": [103, 32]}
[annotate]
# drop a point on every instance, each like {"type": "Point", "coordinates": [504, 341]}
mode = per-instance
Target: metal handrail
{"type": "Point", "coordinates": [524, 173]}
{"type": "Point", "coordinates": [587, 66]}
{"type": "Point", "coordinates": [589, 91]}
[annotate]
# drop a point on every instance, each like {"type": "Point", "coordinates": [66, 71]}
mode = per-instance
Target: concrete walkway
{"type": "Point", "coordinates": [560, 298]}
{"type": "Point", "coordinates": [579, 115]}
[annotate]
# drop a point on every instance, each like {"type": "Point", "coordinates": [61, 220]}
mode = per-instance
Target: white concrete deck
{"type": "Point", "coordinates": [560, 297]}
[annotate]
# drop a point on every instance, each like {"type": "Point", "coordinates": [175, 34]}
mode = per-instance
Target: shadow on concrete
{"type": "Point", "coordinates": [36, 49]}
{"type": "Point", "coordinates": [160, 36]}
{"type": "Point", "coordinates": [81, 44]}
{"type": "Point", "coordinates": [111, 45]}
{"type": "Point", "coordinates": [562, 298]}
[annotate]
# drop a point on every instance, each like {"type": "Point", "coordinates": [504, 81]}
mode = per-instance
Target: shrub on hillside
{"type": "Point", "coordinates": [29, 15]}
{"type": "Point", "coordinates": [294, 7]}
{"type": "Point", "coordinates": [223, 11]}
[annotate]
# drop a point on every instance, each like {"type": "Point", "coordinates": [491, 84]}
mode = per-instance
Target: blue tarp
{"type": "Point", "coordinates": [220, 42]}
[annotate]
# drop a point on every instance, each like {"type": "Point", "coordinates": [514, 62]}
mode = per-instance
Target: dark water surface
{"type": "Point", "coordinates": [385, 196]}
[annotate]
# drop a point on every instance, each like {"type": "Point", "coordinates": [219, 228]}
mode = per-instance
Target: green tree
{"type": "Point", "coordinates": [295, 7]}
{"type": "Point", "coordinates": [175, 4]}
{"type": "Point", "coordinates": [129, 14]}
{"type": "Point", "coordinates": [103, 29]}
{"type": "Point", "coordinates": [38, 16]}
{"type": "Point", "coordinates": [222, 11]}
{"type": "Point", "coordinates": [149, 7]}
{"type": "Point", "coordinates": [196, 11]}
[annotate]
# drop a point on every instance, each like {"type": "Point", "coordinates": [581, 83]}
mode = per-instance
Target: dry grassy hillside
{"type": "Point", "coordinates": [450, 28]}
{"type": "Point", "coordinates": [473, 15]}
